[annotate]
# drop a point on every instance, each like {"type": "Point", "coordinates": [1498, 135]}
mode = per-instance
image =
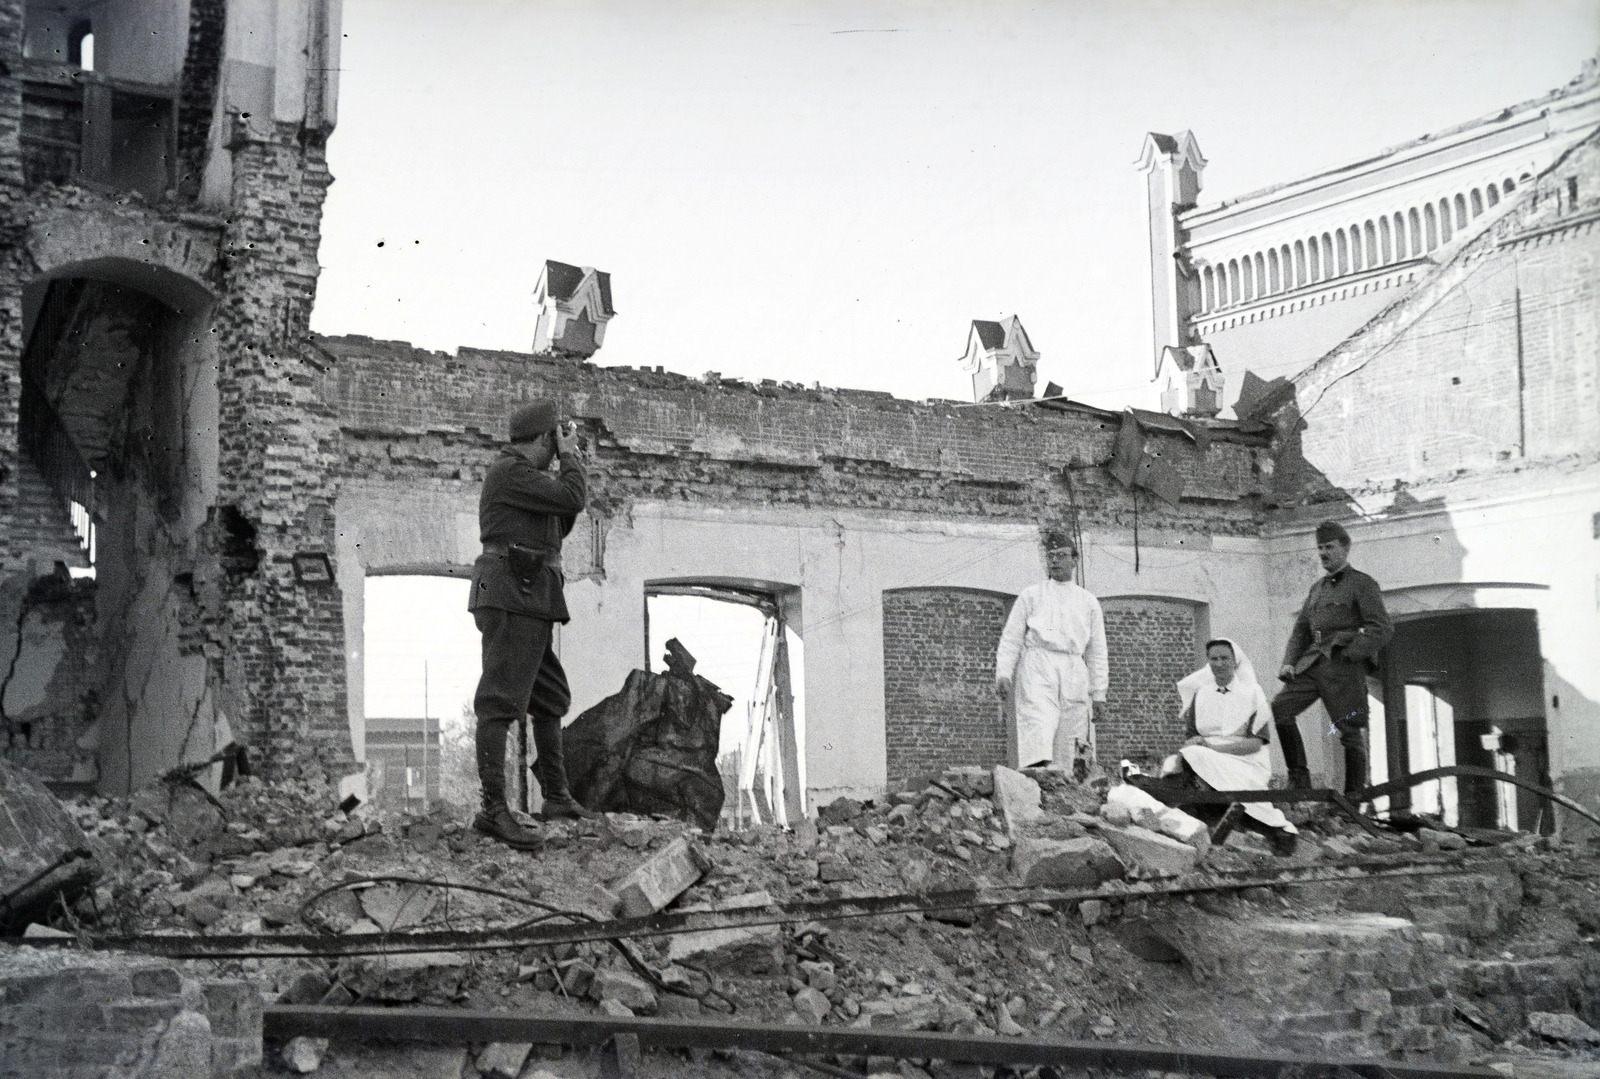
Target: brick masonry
{"type": "Point", "coordinates": [1150, 644]}
{"type": "Point", "coordinates": [63, 1017]}
{"type": "Point", "coordinates": [938, 661]}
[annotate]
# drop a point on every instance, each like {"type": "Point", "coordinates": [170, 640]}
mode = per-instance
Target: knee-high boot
{"type": "Point", "coordinates": [495, 818]}
{"type": "Point", "coordinates": [551, 768]}
{"type": "Point", "coordinates": [1294, 754]}
{"type": "Point", "coordinates": [1355, 768]}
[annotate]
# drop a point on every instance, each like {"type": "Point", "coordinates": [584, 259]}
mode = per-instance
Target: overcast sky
{"type": "Point", "coordinates": [817, 191]}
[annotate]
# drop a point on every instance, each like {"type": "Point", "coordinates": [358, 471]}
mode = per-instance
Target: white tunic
{"type": "Point", "coordinates": [1237, 710]}
{"type": "Point", "coordinates": [1053, 647]}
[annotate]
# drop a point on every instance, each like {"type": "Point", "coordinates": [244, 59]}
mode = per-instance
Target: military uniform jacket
{"type": "Point", "coordinates": [526, 508]}
{"type": "Point", "coordinates": [1343, 613]}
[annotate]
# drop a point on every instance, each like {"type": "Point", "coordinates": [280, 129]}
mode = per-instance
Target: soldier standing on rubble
{"type": "Point", "coordinates": [1334, 646]}
{"type": "Point", "coordinates": [523, 515]}
{"type": "Point", "coordinates": [1052, 663]}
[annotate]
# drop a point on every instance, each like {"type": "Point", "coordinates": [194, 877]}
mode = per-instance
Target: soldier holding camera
{"type": "Point", "coordinates": [523, 515]}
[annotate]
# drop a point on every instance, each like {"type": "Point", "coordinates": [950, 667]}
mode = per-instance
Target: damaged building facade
{"type": "Point", "coordinates": [1422, 326]}
{"type": "Point", "coordinates": [236, 481]}
{"type": "Point", "coordinates": [161, 182]}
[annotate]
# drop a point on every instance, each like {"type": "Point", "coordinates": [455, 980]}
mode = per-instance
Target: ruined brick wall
{"type": "Point", "coordinates": [202, 67]}
{"type": "Point", "coordinates": [11, 258]}
{"type": "Point", "coordinates": [1445, 364]}
{"type": "Point", "coordinates": [1150, 644]}
{"type": "Point", "coordinates": [408, 414]}
{"type": "Point", "coordinates": [938, 661]}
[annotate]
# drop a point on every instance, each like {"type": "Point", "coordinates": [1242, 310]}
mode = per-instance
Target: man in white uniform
{"type": "Point", "coordinates": [1052, 663]}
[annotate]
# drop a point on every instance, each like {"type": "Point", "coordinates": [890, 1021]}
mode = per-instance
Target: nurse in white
{"type": "Point", "coordinates": [1052, 664]}
{"type": "Point", "coordinates": [1227, 716]}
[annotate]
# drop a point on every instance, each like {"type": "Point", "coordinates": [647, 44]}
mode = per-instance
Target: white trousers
{"type": "Point", "coordinates": [1051, 697]}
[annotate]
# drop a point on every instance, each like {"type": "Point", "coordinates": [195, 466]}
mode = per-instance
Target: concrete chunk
{"type": "Point", "coordinates": [1017, 798]}
{"type": "Point", "coordinates": [1065, 863]}
{"type": "Point", "coordinates": [663, 877]}
{"type": "Point", "coordinates": [504, 1060]}
{"type": "Point", "coordinates": [1151, 852]}
{"type": "Point", "coordinates": [629, 989]}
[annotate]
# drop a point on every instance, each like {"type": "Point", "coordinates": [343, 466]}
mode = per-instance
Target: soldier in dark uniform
{"type": "Point", "coordinates": [1334, 646]}
{"type": "Point", "coordinates": [523, 515]}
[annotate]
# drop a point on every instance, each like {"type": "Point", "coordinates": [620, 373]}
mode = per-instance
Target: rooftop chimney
{"type": "Point", "coordinates": [1001, 360]}
{"type": "Point", "coordinates": [574, 306]}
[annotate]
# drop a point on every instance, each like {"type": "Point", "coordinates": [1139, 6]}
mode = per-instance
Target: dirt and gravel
{"type": "Point", "coordinates": [1175, 971]}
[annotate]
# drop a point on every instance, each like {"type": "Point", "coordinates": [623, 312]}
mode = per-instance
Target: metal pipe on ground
{"type": "Point", "coordinates": [455, 1026]}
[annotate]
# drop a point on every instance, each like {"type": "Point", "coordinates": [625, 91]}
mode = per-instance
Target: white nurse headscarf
{"type": "Point", "coordinates": [1244, 673]}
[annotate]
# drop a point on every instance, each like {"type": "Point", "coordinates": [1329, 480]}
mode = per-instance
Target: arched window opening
{"type": "Point", "coordinates": [1444, 221]}
{"type": "Point", "coordinates": [1494, 195]}
{"type": "Point", "coordinates": [1430, 221]}
{"type": "Point", "coordinates": [1314, 259]}
{"type": "Point", "coordinates": [1477, 202]}
{"type": "Point", "coordinates": [1525, 179]}
{"type": "Point", "coordinates": [1261, 274]}
{"type": "Point", "coordinates": [1233, 280]}
{"type": "Point", "coordinates": [1343, 245]}
{"type": "Point", "coordinates": [80, 45]}
{"type": "Point", "coordinates": [1385, 241]}
{"type": "Point", "coordinates": [1461, 212]}
{"type": "Point", "coordinates": [1371, 231]}
{"type": "Point", "coordinates": [1299, 263]}
{"type": "Point", "coordinates": [1222, 285]}
{"type": "Point", "coordinates": [1249, 279]}
{"type": "Point", "coordinates": [1208, 281]}
{"type": "Point", "coordinates": [1508, 186]}
{"type": "Point", "coordinates": [1274, 277]}
{"type": "Point", "coordinates": [1416, 232]}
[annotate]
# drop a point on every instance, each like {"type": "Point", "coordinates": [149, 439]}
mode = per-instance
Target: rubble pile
{"type": "Point", "coordinates": [1500, 961]}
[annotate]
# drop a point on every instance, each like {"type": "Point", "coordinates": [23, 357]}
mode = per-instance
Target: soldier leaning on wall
{"type": "Point", "coordinates": [523, 515]}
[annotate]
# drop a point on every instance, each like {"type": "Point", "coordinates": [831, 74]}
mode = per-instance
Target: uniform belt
{"type": "Point", "coordinates": [505, 548]}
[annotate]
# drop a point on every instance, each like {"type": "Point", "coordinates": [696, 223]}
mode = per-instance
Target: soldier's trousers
{"type": "Point", "coordinates": [521, 676]}
{"type": "Point", "coordinates": [1341, 686]}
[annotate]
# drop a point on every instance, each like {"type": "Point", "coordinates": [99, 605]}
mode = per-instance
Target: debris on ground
{"type": "Point", "coordinates": [1494, 962]}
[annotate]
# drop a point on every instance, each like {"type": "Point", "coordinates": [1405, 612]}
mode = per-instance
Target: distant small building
{"type": "Point", "coordinates": [574, 306]}
{"type": "Point", "coordinates": [1191, 381]}
{"type": "Point", "coordinates": [402, 761]}
{"type": "Point", "coordinates": [1001, 360]}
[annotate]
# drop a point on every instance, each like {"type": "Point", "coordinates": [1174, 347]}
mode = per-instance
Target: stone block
{"type": "Point", "coordinates": [834, 869]}
{"type": "Point", "coordinates": [1192, 831]}
{"type": "Point", "coordinates": [812, 1005]}
{"type": "Point", "coordinates": [504, 1060]}
{"type": "Point", "coordinates": [1563, 1027]}
{"type": "Point", "coordinates": [133, 1016]}
{"type": "Point", "coordinates": [233, 1007]}
{"type": "Point", "coordinates": [1066, 863]}
{"type": "Point", "coordinates": [184, 1049]}
{"type": "Point", "coordinates": [156, 982]}
{"type": "Point", "coordinates": [1151, 852]}
{"type": "Point", "coordinates": [626, 987]}
{"type": "Point", "coordinates": [303, 1055]}
{"type": "Point", "coordinates": [1094, 911]}
{"type": "Point", "coordinates": [662, 877]}
{"type": "Point", "coordinates": [673, 1006]}
{"type": "Point", "coordinates": [723, 944]}
{"type": "Point", "coordinates": [1017, 798]}
{"type": "Point", "coordinates": [424, 976]}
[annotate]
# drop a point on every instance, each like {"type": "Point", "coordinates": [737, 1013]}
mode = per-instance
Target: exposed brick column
{"type": "Point", "coordinates": [12, 259]}
{"type": "Point", "coordinates": [284, 661]}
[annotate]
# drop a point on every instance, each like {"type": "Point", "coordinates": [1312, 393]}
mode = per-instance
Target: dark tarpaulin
{"type": "Point", "coordinates": [652, 748]}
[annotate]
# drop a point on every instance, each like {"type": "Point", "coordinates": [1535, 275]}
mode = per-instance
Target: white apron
{"type": "Point", "coordinates": [1242, 711]}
